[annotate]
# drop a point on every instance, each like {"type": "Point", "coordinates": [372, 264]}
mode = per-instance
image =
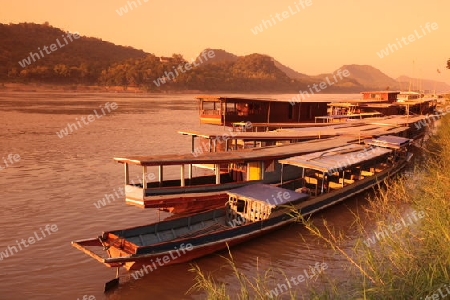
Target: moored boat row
{"type": "Point", "coordinates": [247, 192]}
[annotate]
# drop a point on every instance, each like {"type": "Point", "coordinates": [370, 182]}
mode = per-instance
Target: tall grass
{"type": "Point", "coordinates": [411, 263]}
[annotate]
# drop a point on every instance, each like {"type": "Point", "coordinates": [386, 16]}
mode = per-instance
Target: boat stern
{"type": "Point", "coordinates": [95, 249]}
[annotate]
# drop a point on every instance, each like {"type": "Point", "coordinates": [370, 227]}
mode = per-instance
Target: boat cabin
{"type": "Point", "coordinates": [326, 171]}
{"type": "Point", "coordinates": [389, 96]}
{"type": "Point", "coordinates": [197, 182]}
{"type": "Point", "coordinates": [364, 109]}
{"type": "Point", "coordinates": [256, 202]}
{"type": "Point", "coordinates": [406, 96]}
{"type": "Point", "coordinates": [225, 111]}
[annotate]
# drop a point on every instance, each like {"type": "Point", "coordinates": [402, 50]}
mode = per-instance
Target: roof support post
{"type": "Point", "coordinates": [224, 112]}
{"type": "Point", "coordinates": [182, 183]}
{"type": "Point", "coordinates": [190, 174]}
{"type": "Point", "coordinates": [160, 175]}
{"type": "Point", "coordinates": [144, 179]}
{"type": "Point", "coordinates": [323, 179]}
{"type": "Point", "coordinates": [281, 180]}
{"type": "Point", "coordinates": [127, 174]}
{"type": "Point", "coordinates": [262, 170]}
{"type": "Point", "coordinates": [217, 170]}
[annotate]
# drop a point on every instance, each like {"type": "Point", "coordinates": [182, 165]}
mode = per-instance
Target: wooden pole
{"type": "Point", "coordinates": [224, 111]}
{"type": "Point", "coordinates": [160, 175]}
{"type": "Point", "coordinates": [190, 174]}
{"type": "Point", "coordinates": [144, 180]}
{"type": "Point", "coordinates": [127, 174]}
{"type": "Point", "coordinates": [217, 173]}
{"type": "Point", "coordinates": [182, 183]}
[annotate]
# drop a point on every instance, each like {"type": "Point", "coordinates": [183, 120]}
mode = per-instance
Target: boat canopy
{"type": "Point", "coordinates": [254, 154]}
{"type": "Point", "coordinates": [330, 160]}
{"type": "Point", "coordinates": [267, 194]}
{"type": "Point", "coordinates": [389, 141]}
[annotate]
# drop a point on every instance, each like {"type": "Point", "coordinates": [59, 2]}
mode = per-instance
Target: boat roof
{"type": "Point", "coordinates": [409, 93]}
{"type": "Point", "coordinates": [310, 132]}
{"type": "Point", "coordinates": [330, 160]}
{"type": "Point", "coordinates": [359, 129]}
{"type": "Point", "coordinates": [344, 104]}
{"type": "Point", "coordinates": [297, 133]}
{"type": "Point", "coordinates": [232, 99]}
{"type": "Point", "coordinates": [252, 154]}
{"type": "Point", "coordinates": [381, 92]}
{"type": "Point", "coordinates": [213, 98]}
{"type": "Point", "coordinates": [267, 194]}
{"type": "Point", "coordinates": [392, 120]}
{"type": "Point", "coordinates": [333, 117]}
{"type": "Point", "coordinates": [389, 141]}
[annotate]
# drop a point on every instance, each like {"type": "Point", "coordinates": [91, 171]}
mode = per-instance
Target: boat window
{"type": "Point", "coordinates": [231, 108]}
{"type": "Point", "coordinates": [255, 108]}
{"type": "Point", "coordinates": [270, 166]}
{"type": "Point", "coordinates": [240, 206]}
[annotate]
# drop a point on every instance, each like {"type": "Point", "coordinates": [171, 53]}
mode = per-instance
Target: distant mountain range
{"type": "Point", "coordinates": [41, 53]}
{"type": "Point", "coordinates": [408, 83]}
{"type": "Point", "coordinates": [362, 77]}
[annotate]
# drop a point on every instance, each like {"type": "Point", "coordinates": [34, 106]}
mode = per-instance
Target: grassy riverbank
{"type": "Point", "coordinates": [406, 255]}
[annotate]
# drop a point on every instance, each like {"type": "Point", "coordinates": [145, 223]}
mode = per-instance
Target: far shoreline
{"type": "Point", "coordinates": [132, 90]}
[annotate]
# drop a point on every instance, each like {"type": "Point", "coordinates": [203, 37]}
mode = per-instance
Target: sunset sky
{"type": "Point", "coordinates": [316, 37]}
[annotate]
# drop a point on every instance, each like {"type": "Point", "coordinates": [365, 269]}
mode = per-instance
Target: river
{"type": "Point", "coordinates": [49, 185]}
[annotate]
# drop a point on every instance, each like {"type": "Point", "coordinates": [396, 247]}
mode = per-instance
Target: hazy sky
{"type": "Point", "coordinates": [316, 37]}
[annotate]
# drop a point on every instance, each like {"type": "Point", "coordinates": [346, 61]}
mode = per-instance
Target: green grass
{"type": "Point", "coordinates": [412, 263]}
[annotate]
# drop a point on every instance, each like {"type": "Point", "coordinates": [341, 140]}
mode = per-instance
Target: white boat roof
{"type": "Point", "coordinates": [389, 141]}
{"type": "Point", "coordinates": [330, 160]}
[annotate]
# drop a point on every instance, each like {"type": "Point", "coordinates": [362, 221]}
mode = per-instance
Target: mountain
{"type": "Point", "coordinates": [408, 83]}
{"type": "Point", "coordinates": [366, 77]}
{"type": "Point", "coordinates": [222, 55]}
{"type": "Point", "coordinates": [219, 56]}
{"type": "Point", "coordinates": [291, 73]}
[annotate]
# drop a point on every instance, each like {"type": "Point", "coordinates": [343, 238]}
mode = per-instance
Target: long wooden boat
{"type": "Point", "coordinates": [229, 170]}
{"type": "Point", "coordinates": [328, 177]}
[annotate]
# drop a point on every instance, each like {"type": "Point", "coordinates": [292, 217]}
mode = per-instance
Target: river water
{"type": "Point", "coordinates": [49, 184]}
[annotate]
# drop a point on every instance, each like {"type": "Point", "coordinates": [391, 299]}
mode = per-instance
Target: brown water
{"type": "Point", "coordinates": [57, 180]}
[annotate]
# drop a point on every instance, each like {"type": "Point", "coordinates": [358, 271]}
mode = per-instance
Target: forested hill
{"type": "Point", "coordinates": [41, 53]}
{"type": "Point", "coordinates": [78, 61]}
